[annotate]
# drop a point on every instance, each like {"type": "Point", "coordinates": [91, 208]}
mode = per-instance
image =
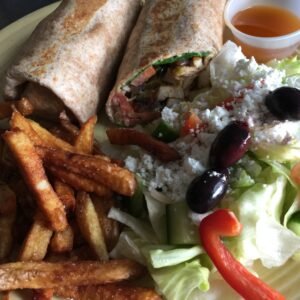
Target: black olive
{"type": "Point", "coordinates": [284, 103]}
{"type": "Point", "coordinates": [206, 191]}
{"type": "Point", "coordinates": [230, 145]}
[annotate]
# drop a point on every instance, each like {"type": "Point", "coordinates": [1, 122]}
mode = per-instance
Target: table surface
{"type": "Point", "coordinates": [11, 10]}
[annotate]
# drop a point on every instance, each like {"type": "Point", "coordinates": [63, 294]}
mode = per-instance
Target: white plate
{"type": "Point", "coordinates": [285, 279]}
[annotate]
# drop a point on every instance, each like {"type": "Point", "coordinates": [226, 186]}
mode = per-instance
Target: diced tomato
{"type": "Point", "coordinates": [192, 123]}
{"type": "Point", "coordinates": [144, 76]}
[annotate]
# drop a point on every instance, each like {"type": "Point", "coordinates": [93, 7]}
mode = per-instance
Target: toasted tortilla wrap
{"type": "Point", "coordinates": [172, 42]}
{"type": "Point", "coordinates": [74, 53]}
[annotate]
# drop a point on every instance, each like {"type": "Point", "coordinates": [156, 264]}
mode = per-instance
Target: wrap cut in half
{"type": "Point", "coordinates": [72, 56]}
{"type": "Point", "coordinates": [171, 43]}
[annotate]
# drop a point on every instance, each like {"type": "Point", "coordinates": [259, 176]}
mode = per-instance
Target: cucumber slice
{"type": "Point", "coordinates": [181, 230]}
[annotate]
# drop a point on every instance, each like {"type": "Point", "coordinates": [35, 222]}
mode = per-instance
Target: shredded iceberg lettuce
{"type": "Point", "coordinates": [275, 243]}
{"type": "Point", "coordinates": [259, 201]}
{"type": "Point", "coordinates": [162, 258]}
{"type": "Point", "coordinates": [140, 227]}
{"type": "Point", "coordinates": [180, 281]}
{"type": "Point", "coordinates": [291, 67]}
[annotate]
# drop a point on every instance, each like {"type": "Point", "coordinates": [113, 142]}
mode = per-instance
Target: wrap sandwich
{"type": "Point", "coordinates": [71, 57]}
{"type": "Point", "coordinates": [170, 45]}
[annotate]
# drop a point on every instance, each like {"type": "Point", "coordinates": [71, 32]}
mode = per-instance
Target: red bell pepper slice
{"type": "Point", "coordinates": [222, 222]}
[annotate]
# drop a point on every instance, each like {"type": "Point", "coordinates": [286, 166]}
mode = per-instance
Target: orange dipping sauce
{"type": "Point", "coordinates": [265, 21]}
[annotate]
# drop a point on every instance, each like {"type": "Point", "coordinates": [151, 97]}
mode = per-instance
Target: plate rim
{"type": "Point", "coordinates": [6, 31]}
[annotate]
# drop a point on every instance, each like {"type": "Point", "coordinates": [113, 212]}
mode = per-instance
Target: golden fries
{"type": "Point", "coordinates": [35, 246]}
{"type": "Point", "coordinates": [85, 140]}
{"type": "Point", "coordinates": [118, 179]}
{"type": "Point", "coordinates": [37, 275]}
{"type": "Point", "coordinates": [65, 194]}
{"type": "Point", "coordinates": [75, 170]}
{"type": "Point", "coordinates": [34, 174]}
{"type": "Point", "coordinates": [17, 121]}
{"type": "Point", "coordinates": [37, 134]}
{"type": "Point", "coordinates": [79, 182]}
{"type": "Point", "coordinates": [62, 241]}
{"type": "Point", "coordinates": [107, 292]}
{"type": "Point", "coordinates": [89, 225]}
{"type": "Point", "coordinates": [109, 226]}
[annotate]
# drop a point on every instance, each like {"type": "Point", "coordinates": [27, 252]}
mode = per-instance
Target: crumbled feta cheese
{"type": "Point", "coordinates": [232, 75]}
{"type": "Point", "coordinates": [170, 116]}
{"type": "Point", "coordinates": [192, 166]}
{"type": "Point", "coordinates": [131, 163]}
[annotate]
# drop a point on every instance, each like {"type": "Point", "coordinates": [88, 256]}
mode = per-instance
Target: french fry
{"type": "Point", "coordinates": [17, 121]}
{"type": "Point", "coordinates": [84, 142]}
{"type": "Point", "coordinates": [41, 136]}
{"type": "Point", "coordinates": [62, 241]}
{"type": "Point", "coordinates": [89, 225]}
{"type": "Point", "coordinates": [45, 275]}
{"type": "Point", "coordinates": [66, 194]}
{"type": "Point", "coordinates": [33, 172]}
{"type": "Point", "coordinates": [118, 179]}
{"type": "Point", "coordinates": [107, 292]}
{"type": "Point", "coordinates": [109, 226]}
{"type": "Point", "coordinates": [37, 134]}
{"type": "Point", "coordinates": [129, 136]}
{"type": "Point", "coordinates": [79, 182]}
{"type": "Point", "coordinates": [36, 243]}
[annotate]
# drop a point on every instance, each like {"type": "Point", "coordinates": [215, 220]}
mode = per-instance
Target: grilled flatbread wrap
{"type": "Point", "coordinates": [74, 53]}
{"type": "Point", "coordinates": [172, 42]}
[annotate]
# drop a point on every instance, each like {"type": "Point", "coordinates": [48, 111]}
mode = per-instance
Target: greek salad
{"type": "Point", "coordinates": [237, 179]}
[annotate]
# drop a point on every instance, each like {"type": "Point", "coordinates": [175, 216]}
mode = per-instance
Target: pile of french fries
{"type": "Point", "coordinates": [56, 188]}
